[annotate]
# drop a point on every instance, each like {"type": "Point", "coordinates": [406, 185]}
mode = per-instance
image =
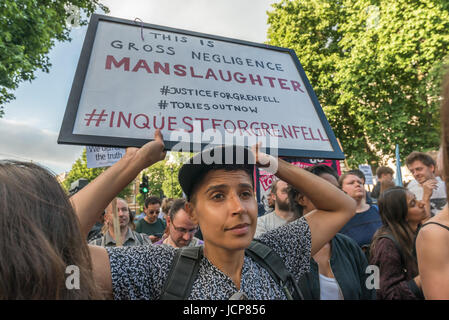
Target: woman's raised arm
{"type": "Point", "coordinates": [90, 201]}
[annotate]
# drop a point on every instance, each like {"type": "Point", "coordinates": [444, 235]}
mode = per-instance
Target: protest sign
{"type": "Point", "coordinates": [366, 169]}
{"type": "Point", "coordinates": [103, 157]}
{"type": "Point", "coordinates": [266, 179]}
{"type": "Point", "coordinates": [199, 89]}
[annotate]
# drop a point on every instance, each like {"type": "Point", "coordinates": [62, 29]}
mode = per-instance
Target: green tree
{"type": "Point", "coordinates": [375, 67]}
{"type": "Point", "coordinates": [162, 179]}
{"type": "Point", "coordinates": [80, 170]}
{"type": "Point", "coordinates": [28, 30]}
{"type": "Point", "coordinates": [156, 178]}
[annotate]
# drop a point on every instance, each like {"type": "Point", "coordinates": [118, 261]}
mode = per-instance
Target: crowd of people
{"type": "Point", "coordinates": [317, 241]}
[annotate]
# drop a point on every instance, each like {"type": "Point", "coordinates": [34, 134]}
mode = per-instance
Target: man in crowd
{"type": "Point", "coordinates": [426, 186]}
{"type": "Point", "coordinates": [361, 175]}
{"type": "Point", "coordinates": [151, 224]}
{"type": "Point", "coordinates": [384, 174]}
{"type": "Point", "coordinates": [181, 228]}
{"type": "Point", "coordinates": [128, 237]}
{"type": "Point", "coordinates": [282, 213]}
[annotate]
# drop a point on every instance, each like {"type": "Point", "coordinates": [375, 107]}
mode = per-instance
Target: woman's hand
{"type": "Point", "coordinates": [149, 153]}
{"type": "Point", "coordinates": [263, 160]}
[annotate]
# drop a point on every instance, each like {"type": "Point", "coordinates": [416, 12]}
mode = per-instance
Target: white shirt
{"type": "Point", "coordinates": [268, 222]}
{"type": "Point", "coordinates": [438, 199]}
{"type": "Point", "coordinates": [329, 289]}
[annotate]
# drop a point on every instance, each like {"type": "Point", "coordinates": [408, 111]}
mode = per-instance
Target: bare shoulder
{"type": "Point", "coordinates": [434, 232]}
{"type": "Point", "coordinates": [101, 269]}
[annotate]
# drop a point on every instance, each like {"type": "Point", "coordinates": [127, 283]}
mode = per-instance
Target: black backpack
{"type": "Point", "coordinates": [187, 261]}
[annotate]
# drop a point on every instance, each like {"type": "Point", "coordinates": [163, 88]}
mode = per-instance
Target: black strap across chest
{"type": "Point", "coordinates": [186, 263]}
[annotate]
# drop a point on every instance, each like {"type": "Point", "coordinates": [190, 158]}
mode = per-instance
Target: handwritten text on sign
{"type": "Point", "coordinates": [103, 157]}
{"type": "Point", "coordinates": [179, 82]}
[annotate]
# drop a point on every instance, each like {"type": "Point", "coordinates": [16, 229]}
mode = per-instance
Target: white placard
{"type": "Point", "coordinates": [366, 169]}
{"type": "Point", "coordinates": [195, 89]}
{"type": "Point", "coordinates": [103, 157]}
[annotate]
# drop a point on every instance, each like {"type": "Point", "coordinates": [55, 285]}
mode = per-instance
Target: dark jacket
{"type": "Point", "coordinates": [395, 283]}
{"type": "Point", "coordinates": [348, 264]}
{"type": "Point", "coordinates": [376, 191]}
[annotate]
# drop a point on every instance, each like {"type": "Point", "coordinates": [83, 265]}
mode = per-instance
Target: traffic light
{"type": "Point", "coordinates": [144, 186]}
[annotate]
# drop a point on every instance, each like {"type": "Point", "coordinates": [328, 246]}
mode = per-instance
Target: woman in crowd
{"type": "Point", "coordinates": [392, 249]}
{"type": "Point", "coordinates": [221, 200]}
{"type": "Point", "coordinates": [40, 238]}
{"type": "Point", "coordinates": [432, 242]}
{"type": "Point", "coordinates": [362, 227]}
{"type": "Point", "coordinates": [338, 270]}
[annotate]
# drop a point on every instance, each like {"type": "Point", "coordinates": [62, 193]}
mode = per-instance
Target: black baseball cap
{"type": "Point", "coordinates": [227, 157]}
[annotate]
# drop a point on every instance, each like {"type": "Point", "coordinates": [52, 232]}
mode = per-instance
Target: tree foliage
{"type": "Point", "coordinates": [28, 30]}
{"type": "Point", "coordinates": [375, 67]}
{"type": "Point", "coordinates": [162, 180]}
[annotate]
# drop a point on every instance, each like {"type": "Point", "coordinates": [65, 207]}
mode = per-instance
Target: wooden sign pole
{"type": "Point", "coordinates": [116, 223]}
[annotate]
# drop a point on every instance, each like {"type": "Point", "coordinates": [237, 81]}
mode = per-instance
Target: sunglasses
{"type": "Point", "coordinates": [153, 211]}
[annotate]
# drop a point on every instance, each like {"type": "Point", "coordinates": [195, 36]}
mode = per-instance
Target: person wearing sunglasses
{"type": "Point", "coordinates": [181, 228]}
{"type": "Point", "coordinates": [151, 225]}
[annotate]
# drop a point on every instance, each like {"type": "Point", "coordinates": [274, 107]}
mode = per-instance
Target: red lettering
{"type": "Point", "coordinates": [265, 127]}
{"type": "Point", "coordinates": [180, 70]}
{"type": "Point", "coordinates": [162, 124]}
{"type": "Point", "coordinates": [222, 78]}
{"type": "Point", "coordinates": [158, 67]}
{"type": "Point", "coordinates": [241, 78]}
{"type": "Point", "coordinates": [215, 125]}
{"type": "Point", "coordinates": [296, 130]}
{"type": "Point", "coordinates": [242, 128]}
{"type": "Point", "coordinates": [141, 64]}
{"type": "Point", "coordinates": [311, 133]}
{"type": "Point", "coordinates": [304, 133]}
{"type": "Point", "coordinates": [271, 81]}
{"type": "Point", "coordinates": [258, 79]}
{"type": "Point", "coordinates": [282, 84]}
{"type": "Point", "coordinates": [121, 116]}
{"type": "Point", "coordinates": [274, 130]}
{"type": "Point", "coordinates": [296, 85]}
{"type": "Point", "coordinates": [144, 125]}
{"type": "Point", "coordinates": [189, 124]}
{"type": "Point", "coordinates": [192, 72]}
{"type": "Point", "coordinates": [111, 121]}
{"type": "Point", "coordinates": [224, 126]}
{"type": "Point", "coordinates": [322, 139]}
{"type": "Point", "coordinates": [111, 60]}
{"type": "Point", "coordinates": [252, 129]}
{"type": "Point", "coordinates": [202, 125]}
{"type": "Point", "coordinates": [170, 123]}
{"type": "Point", "coordinates": [210, 73]}
{"type": "Point", "coordinates": [284, 131]}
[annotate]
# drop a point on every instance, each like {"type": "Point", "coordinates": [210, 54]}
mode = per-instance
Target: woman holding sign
{"type": "Point", "coordinates": [221, 200]}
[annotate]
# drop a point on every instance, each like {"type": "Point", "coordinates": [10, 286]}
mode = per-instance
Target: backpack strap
{"type": "Point", "coordinates": [185, 266]}
{"type": "Point", "coordinates": [183, 272]}
{"type": "Point", "coordinates": [273, 263]}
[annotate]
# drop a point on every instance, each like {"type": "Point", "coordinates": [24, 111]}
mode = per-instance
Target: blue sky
{"type": "Point", "coordinates": [30, 126]}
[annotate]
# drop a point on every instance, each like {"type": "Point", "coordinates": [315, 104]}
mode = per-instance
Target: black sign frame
{"type": "Point", "coordinates": [66, 135]}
